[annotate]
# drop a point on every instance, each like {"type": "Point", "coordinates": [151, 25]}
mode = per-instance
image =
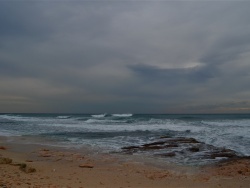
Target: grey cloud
{"type": "Point", "coordinates": [228, 49]}
{"type": "Point", "coordinates": [198, 74]}
{"type": "Point", "coordinates": [23, 20]}
{"type": "Point", "coordinates": [124, 56]}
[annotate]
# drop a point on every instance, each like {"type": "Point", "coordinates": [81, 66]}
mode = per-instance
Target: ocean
{"type": "Point", "coordinates": [182, 138]}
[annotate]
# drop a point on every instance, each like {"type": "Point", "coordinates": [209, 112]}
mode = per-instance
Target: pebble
{"type": "Point", "coordinates": [86, 166]}
{"type": "Point", "coordinates": [2, 147]}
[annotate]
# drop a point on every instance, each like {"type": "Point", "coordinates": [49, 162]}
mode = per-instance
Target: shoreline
{"type": "Point", "coordinates": [62, 167]}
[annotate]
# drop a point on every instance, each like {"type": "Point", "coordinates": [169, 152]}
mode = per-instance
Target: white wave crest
{"type": "Point", "coordinates": [228, 123]}
{"type": "Point", "coordinates": [122, 115]}
{"type": "Point", "coordinates": [63, 117]}
{"type": "Point", "coordinates": [99, 115]}
{"type": "Point", "coordinates": [17, 118]}
{"type": "Point", "coordinates": [93, 121]}
{"type": "Point", "coordinates": [105, 121]}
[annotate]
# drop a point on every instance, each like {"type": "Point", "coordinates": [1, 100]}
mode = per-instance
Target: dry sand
{"type": "Point", "coordinates": [57, 167]}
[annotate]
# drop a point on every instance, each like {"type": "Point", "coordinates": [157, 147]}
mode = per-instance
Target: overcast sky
{"type": "Point", "coordinates": [125, 56]}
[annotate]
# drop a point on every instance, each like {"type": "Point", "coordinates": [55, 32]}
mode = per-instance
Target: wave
{"type": "Point", "coordinates": [228, 123]}
{"type": "Point", "coordinates": [104, 121]}
{"type": "Point", "coordinates": [14, 117]}
{"type": "Point", "coordinates": [99, 115]}
{"type": "Point", "coordinates": [63, 117]}
{"type": "Point", "coordinates": [10, 117]}
{"type": "Point", "coordinates": [122, 115]}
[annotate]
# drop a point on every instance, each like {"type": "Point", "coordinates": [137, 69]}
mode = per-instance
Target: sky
{"type": "Point", "coordinates": [124, 56]}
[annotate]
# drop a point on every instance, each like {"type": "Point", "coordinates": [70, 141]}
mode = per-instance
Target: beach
{"type": "Point", "coordinates": [124, 150]}
{"type": "Point", "coordinates": [124, 93]}
{"type": "Point", "coordinates": [34, 165]}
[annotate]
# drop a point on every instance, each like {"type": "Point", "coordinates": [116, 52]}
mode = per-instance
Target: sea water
{"type": "Point", "coordinates": [111, 132]}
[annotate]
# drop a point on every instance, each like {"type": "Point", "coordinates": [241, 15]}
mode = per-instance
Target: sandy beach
{"type": "Point", "coordinates": [27, 165]}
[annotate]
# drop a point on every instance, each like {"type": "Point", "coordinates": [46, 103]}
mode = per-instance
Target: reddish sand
{"type": "Point", "coordinates": [63, 168]}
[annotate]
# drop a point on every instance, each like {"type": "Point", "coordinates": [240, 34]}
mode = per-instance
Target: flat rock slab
{"type": "Point", "coordinates": [2, 148]}
{"type": "Point", "coordinates": [86, 166]}
{"type": "Point", "coordinates": [182, 148]}
{"type": "Point", "coordinates": [45, 155]}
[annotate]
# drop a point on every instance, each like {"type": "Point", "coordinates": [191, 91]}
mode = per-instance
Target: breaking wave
{"type": "Point", "coordinates": [122, 115]}
{"type": "Point", "coordinates": [99, 115]}
{"type": "Point", "coordinates": [63, 117]}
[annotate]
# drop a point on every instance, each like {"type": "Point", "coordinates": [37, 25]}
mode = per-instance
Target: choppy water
{"type": "Point", "coordinates": [114, 131]}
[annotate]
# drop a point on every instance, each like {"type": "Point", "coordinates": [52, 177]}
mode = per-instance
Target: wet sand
{"type": "Point", "coordinates": [59, 167]}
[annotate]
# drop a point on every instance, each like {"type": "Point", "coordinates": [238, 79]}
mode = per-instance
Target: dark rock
{"type": "Point", "coordinates": [154, 143]}
{"type": "Point", "coordinates": [185, 147]}
{"type": "Point", "coordinates": [171, 154]}
{"type": "Point", "coordinates": [152, 147]}
{"type": "Point", "coordinates": [185, 140]}
{"type": "Point", "coordinates": [171, 146]}
{"type": "Point", "coordinates": [164, 137]}
{"type": "Point", "coordinates": [194, 149]}
{"type": "Point", "coordinates": [45, 155]}
{"type": "Point", "coordinates": [227, 150]}
{"type": "Point", "coordinates": [30, 170]}
{"type": "Point", "coordinates": [86, 166]}
{"type": "Point", "coordinates": [223, 154]}
{"type": "Point", "coordinates": [131, 147]}
{"type": "Point", "coordinates": [44, 149]}
{"type": "Point", "coordinates": [2, 148]}
{"type": "Point", "coordinates": [23, 167]}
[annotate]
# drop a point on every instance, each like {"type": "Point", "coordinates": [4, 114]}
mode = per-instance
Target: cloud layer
{"type": "Point", "coordinates": [124, 56]}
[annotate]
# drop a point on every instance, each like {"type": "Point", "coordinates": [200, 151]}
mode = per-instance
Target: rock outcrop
{"type": "Point", "coordinates": [187, 149]}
